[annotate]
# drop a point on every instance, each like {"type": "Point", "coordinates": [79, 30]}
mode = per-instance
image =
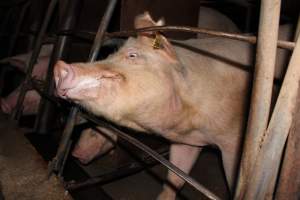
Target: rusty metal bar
{"type": "Point", "coordinates": [289, 179]}
{"type": "Point", "coordinates": [109, 129]}
{"type": "Point", "coordinates": [57, 163]}
{"type": "Point", "coordinates": [234, 36]}
{"type": "Point", "coordinates": [265, 173]}
{"type": "Point", "coordinates": [46, 114]}
{"type": "Point", "coordinates": [261, 95]}
{"type": "Point", "coordinates": [38, 44]}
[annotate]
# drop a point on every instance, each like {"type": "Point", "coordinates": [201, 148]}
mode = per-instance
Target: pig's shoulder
{"type": "Point", "coordinates": [221, 50]}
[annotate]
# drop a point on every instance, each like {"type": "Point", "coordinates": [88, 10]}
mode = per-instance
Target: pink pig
{"type": "Point", "coordinates": [194, 93]}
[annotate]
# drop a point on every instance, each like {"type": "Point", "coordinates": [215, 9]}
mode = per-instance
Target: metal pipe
{"type": "Point", "coordinates": [265, 173]}
{"type": "Point", "coordinates": [16, 114]}
{"type": "Point", "coordinates": [234, 36]}
{"type": "Point", "coordinates": [289, 177]}
{"type": "Point", "coordinates": [46, 113]}
{"type": "Point", "coordinates": [57, 162]}
{"type": "Point", "coordinates": [261, 95]}
{"type": "Point", "coordinates": [108, 129]}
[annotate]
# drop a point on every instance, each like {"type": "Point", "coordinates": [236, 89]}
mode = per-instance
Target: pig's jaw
{"type": "Point", "coordinates": [84, 90]}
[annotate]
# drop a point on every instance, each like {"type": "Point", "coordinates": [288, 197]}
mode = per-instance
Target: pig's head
{"type": "Point", "coordinates": [92, 144]}
{"type": "Point", "coordinates": [136, 86]}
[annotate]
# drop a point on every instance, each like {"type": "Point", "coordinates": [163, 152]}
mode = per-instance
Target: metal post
{"type": "Point", "coordinates": [47, 114]}
{"type": "Point", "coordinates": [38, 44]}
{"type": "Point", "coordinates": [261, 93]}
{"type": "Point", "coordinates": [57, 162]}
{"type": "Point", "coordinates": [289, 179]}
{"type": "Point", "coordinates": [267, 164]}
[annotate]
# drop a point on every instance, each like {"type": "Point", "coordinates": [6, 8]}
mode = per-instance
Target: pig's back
{"type": "Point", "coordinates": [217, 69]}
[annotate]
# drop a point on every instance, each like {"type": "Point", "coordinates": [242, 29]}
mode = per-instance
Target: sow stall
{"type": "Point", "coordinates": [267, 131]}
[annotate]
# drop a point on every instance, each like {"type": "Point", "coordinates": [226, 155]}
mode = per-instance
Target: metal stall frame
{"type": "Point", "coordinates": [25, 5]}
{"type": "Point", "coordinates": [16, 114]}
{"type": "Point", "coordinates": [58, 163]}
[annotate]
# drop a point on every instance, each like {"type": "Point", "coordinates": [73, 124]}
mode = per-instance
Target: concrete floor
{"type": "Point", "coordinates": [23, 172]}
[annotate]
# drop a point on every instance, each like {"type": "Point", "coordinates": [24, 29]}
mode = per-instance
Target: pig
{"type": "Point", "coordinates": [212, 19]}
{"type": "Point", "coordinates": [193, 93]}
{"type": "Point", "coordinates": [92, 144]}
{"type": "Point", "coordinates": [208, 18]}
{"type": "Point", "coordinates": [32, 97]}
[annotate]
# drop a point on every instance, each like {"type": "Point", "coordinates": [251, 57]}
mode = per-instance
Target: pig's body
{"type": "Point", "coordinates": [212, 19]}
{"type": "Point", "coordinates": [92, 144]}
{"type": "Point", "coordinates": [194, 94]}
{"type": "Point", "coordinates": [32, 98]}
{"type": "Point", "coordinates": [208, 18]}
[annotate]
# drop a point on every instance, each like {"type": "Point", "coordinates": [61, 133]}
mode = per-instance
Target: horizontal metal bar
{"type": "Point", "coordinates": [107, 128]}
{"type": "Point", "coordinates": [234, 36]}
{"type": "Point", "coordinates": [120, 172]}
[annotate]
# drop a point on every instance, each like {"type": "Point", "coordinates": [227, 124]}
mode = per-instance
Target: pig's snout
{"type": "Point", "coordinates": [64, 76]}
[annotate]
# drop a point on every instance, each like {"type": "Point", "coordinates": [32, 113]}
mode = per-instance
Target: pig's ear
{"type": "Point", "coordinates": [145, 20]}
{"type": "Point", "coordinates": [157, 40]}
{"type": "Point", "coordinates": [162, 43]}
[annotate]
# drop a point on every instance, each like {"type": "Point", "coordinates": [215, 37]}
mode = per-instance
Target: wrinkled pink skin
{"type": "Point", "coordinates": [32, 98]}
{"type": "Point", "coordinates": [192, 98]}
{"type": "Point", "coordinates": [92, 144]}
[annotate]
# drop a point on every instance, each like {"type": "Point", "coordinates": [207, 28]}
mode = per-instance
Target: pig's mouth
{"type": "Point", "coordinates": [77, 83]}
{"type": "Point", "coordinates": [84, 89]}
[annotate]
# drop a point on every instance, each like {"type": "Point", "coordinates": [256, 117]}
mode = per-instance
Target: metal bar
{"type": "Point", "coordinates": [261, 94]}
{"type": "Point", "coordinates": [56, 163]}
{"type": "Point", "coordinates": [46, 112]}
{"type": "Point", "coordinates": [234, 36]}
{"type": "Point", "coordinates": [109, 129]}
{"type": "Point", "coordinates": [265, 173]}
{"type": "Point", "coordinates": [38, 44]}
{"type": "Point", "coordinates": [132, 168]}
{"type": "Point", "coordinates": [289, 179]}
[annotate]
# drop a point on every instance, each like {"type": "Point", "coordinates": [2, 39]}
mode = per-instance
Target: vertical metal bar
{"type": "Point", "coordinates": [37, 47]}
{"type": "Point", "coordinates": [47, 114]}
{"type": "Point", "coordinates": [266, 168]}
{"type": "Point", "coordinates": [262, 91]}
{"type": "Point", "coordinates": [289, 178]}
{"type": "Point", "coordinates": [66, 136]}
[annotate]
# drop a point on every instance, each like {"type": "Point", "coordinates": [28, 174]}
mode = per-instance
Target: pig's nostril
{"type": "Point", "coordinates": [65, 78]}
{"type": "Point", "coordinates": [63, 73]}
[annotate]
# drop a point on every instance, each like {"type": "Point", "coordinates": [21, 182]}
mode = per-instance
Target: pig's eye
{"type": "Point", "coordinates": [132, 55]}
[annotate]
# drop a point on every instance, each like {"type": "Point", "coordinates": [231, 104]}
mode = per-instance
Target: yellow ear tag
{"type": "Point", "coordinates": [157, 41]}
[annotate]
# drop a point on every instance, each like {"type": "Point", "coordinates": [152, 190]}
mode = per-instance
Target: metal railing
{"type": "Point", "coordinates": [57, 163]}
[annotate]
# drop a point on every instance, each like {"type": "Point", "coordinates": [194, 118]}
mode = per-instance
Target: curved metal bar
{"type": "Point", "coordinates": [234, 36]}
{"type": "Point", "coordinates": [107, 128]}
{"type": "Point", "coordinates": [56, 163]}
{"type": "Point", "coordinates": [38, 44]}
